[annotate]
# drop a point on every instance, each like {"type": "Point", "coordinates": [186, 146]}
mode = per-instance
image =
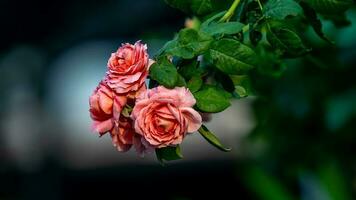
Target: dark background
{"type": "Point", "coordinates": [298, 143]}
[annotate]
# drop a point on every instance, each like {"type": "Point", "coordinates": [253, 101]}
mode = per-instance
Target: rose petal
{"type": "Point", "coordinates": [102, 126]}
{"type": "Point", "coordinates": [193, 117]}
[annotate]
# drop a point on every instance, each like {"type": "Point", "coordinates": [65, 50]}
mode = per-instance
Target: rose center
{"type": "Point", "coordinates": [164, 125]}
{"type": "Point", "coordinates": [124, 58]}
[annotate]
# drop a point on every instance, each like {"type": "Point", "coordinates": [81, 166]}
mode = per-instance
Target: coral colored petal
{"type": "Point", "coordinates": [102, 126]}
{"type": "Point", "coordinates": [193, 117]}
{"type": "Point", "coordinates": [119, 103]}
{"type": "Point", "coordinates": [106, 103]}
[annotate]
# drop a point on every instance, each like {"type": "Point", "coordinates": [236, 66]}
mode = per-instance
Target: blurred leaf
{"type": "Point", "coordinates": [212, 99]}
{"type": "Point", "coordinates": [266, 186]}
{"type": "Point", "coordinates": [255, 36]}
{"type": "Point", "coordinates": [314, 21]}
{"type": "Point", "coordinates": [334, 181]}
{"type": "Point", "coordinates": [201, 7]}
{"type": "Point", "coordinates": [241, 91]}
{"type": "Point", "coordinates": [330, 6]}
{"type": "Point", "coordinates": [310, 186]}
{"type": "Point", "coordinates": [340, 20]}
{"type": "Point", "coordinates": [340, 110]}
{"type": "Point", "coordinates": [242, 85]}
{"type": "Point", "coordinates": [212, 139]}
{"type": "Point", "coordinates": [280, 9]}
{"type": "Point", "coordinates": [168, 154]}
{"type": "Point", "coordinates": [269, 63]}
{"type": "Point", "coordinates": [253, 12]}
{"type": "Point", "coordinates": [183, 5]}
{"type": "Point", "coordinates": [286, 40]}
{"type": "Point", "coordinates": [231, 56]}
{"type": "Point", "coordinates": [198, 7]}
{"type": "Point", "coordinates": [164, 72]}
{"type": "Point", "coordinates": [188, 44]}
{"type": "Point", "coordinates": [211, 19]}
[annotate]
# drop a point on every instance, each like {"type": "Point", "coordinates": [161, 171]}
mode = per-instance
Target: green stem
{"type": "Point", "coordinates": [230, 12]}
{"type": "Point", "coordinates": [260, 4]}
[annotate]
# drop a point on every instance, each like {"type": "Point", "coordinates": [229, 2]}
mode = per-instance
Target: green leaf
{"type": "Point", "coordinates": [314, 21]}
{"type": "Point", "coordinates": [269, 63]}
{"type": "Point", "coordinates": [168, 154]}
{"type": "Point", "coordinates": [330, 6]}
{"type": "Point", "coordinates": [195, 83]}
{"type": "Point", "coordinates": [212, 99]}
{"type": "Point", "coordinates": [231, 56]}
{"type": "Point", "coordinates": [212, 27]}
{"type": "Point", "coordinates": [332, 178]}
{"type": "Point", "coordinates": [340, 20]}
{"type": "Point", "coordinates": [265, 185]}
{"type": "Point", "coordinates": [223, 28]}
{"type": "Point", "coordinates": [180, 81]}
{"type": "Point", "coordinates": [225, 81]}
{"type": "Point", "coordinates": [212, 139]}
{"type": "Point", "coordinates": [241, 91]}
{"type": "Point", "coordinates": [213, 18]}
{"type": "Point", "coordinates": [242, 85]}
{"type": "Point", "coordinates": [164, 72]}
{"type": "Point", "coordinates": [126, 111]}
{"type": "Point", "coordinates": [280, 9]}
{"type": "Point", "coordinates": [286, 40]}
{"type": "Point", "coordinates": [188, 44]}
{"type": "Point", "coordinates": [255, 36]}
{"type": "Point", "coordinates": [201, 7]}
{"type": "Point", "coordinates": [189, 68]}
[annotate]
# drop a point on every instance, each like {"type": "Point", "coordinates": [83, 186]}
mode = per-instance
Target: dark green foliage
{"type": "Point", "coordinates": [303, 109]}
{"type": "Point", "coordinates": [280, 9]}
{"type": "Point", "coordinates": [231, 56]}
{"type": "Point", "coordinates": [168, 154]}
{"type": "Point", "coordinates": [188, 44]}
{"type": "Point", "coordinates": [330, 6]}
{"type": "Point", "coordinates": [164, 72]}
{"type": "Point", "coordinates": [212, 99]}
{"type": "Point", "coordinates": [212, 139]}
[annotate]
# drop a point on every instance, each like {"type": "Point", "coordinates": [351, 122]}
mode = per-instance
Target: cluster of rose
{"type": "Point", "coordinates": [134, 115]}
{"type": "Point", "coordinates": [220, 55]}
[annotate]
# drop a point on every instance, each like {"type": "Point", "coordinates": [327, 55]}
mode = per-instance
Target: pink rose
{"type": "Point", "coordinates": [164, 116]}
{"type": "Point", "coordinates": [122, 134]}
{"type": "Point", "coordinates": [105, 108]}
{"type": "Point", "coordinates": [128, 68]}
{"type": "Point", "coordinates": [101, 104]}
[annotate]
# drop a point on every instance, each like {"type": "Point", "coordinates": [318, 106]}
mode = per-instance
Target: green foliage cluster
{"type": "Point", "coordinates": [232, 46]}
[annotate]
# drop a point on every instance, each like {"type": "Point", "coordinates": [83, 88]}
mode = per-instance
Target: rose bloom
{"type": "Point", "coordinates": [105, 108]}
{"type": "Point", "coordinates": [128, 69]}
{"type": "Point", "coordinates": [122, 134]}
{"type": "Point", "coordinates": [164, 116]}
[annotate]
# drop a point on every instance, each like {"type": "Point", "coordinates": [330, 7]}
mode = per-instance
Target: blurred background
{"type": "Point", "coordinates": [295, 142]}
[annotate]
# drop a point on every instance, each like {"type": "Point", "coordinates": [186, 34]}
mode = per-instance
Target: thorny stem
{"type": "Point", "coordinates": [230, 12]}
